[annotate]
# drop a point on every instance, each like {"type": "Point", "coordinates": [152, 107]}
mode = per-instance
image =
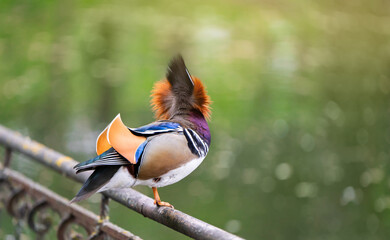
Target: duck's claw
{"type": "Point", "coordinates": [163, 204]}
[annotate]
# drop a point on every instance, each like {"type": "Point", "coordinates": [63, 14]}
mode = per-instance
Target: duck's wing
{"type": "Point", "coordinates": [109, 158]}
{"type": "Point", "coordinates": [117, 144]}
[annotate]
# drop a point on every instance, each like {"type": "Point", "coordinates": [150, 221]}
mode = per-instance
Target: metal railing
{"type": "Point", "coordinates": [96, 226]}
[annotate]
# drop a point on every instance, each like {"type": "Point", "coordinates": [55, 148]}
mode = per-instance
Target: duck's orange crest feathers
{"type": "Point", "coordinates": [201, 99]}
{"type": "Point", "coordinates": [163, 100]}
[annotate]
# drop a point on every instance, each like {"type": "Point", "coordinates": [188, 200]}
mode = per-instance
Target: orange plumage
{"type": "Point", "coordinates": [163, 99]}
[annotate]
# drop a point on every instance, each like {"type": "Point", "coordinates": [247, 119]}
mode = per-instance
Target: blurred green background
{"type": "Point", "coordinates": [300, 90]}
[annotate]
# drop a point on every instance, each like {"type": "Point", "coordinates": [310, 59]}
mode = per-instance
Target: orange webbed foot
{"type": "Point", "coordinates": [157, 200]}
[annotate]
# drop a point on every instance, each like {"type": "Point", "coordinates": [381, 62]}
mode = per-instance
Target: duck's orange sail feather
{"type": "Point", "coordinates": [102, 144]}
{"type": "Point", "coordinates": [118, 136]}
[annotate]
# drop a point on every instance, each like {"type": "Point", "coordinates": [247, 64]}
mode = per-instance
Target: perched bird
{"type": "Point", "coordinates": [160, 153]}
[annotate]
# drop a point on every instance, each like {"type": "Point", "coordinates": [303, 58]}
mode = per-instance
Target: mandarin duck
{"type": "Point", "coordinates": [160, 153]}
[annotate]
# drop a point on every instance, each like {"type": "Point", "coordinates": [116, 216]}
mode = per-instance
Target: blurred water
{"type": "Point", "coordinates": [300, 94]}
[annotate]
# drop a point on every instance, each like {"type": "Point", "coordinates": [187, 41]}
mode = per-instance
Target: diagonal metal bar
{"type": "Point", "coordinates": [130, 198]}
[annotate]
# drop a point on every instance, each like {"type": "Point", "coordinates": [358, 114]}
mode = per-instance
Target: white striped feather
{"type": "Point", "coordinates": [201, 148]}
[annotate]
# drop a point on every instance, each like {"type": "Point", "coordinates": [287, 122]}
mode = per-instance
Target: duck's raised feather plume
{"type": "Point", "coordinates": [179, 93]}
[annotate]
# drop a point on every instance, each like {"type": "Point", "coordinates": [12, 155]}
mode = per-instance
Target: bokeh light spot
{"type": "Point", "coordinates": [283, 171]}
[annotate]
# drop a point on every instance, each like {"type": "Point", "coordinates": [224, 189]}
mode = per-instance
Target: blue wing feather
{"type": "Point", "coordinates": [157, 128]}
{"type": "Point", "coordinates": [140, 150]}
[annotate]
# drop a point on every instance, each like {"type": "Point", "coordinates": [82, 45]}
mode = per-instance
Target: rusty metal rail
{"type": "Point", "coordinates": [22, 186]}
{"type": "Point", "coordinates": [130, 198]}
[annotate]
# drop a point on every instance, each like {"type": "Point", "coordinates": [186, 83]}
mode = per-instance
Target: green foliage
{"type": "Point", "coordinates": [300, 94]}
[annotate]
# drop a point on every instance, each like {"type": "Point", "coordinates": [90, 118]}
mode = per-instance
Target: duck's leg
{"type": "Point", "coordinates": [157, 199]}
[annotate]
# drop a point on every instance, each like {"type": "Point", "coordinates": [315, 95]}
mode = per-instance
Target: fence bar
{"type": "Point", "coordinates": [7, 157]}
{"type": "Point", "coordinates": [130, 198]}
